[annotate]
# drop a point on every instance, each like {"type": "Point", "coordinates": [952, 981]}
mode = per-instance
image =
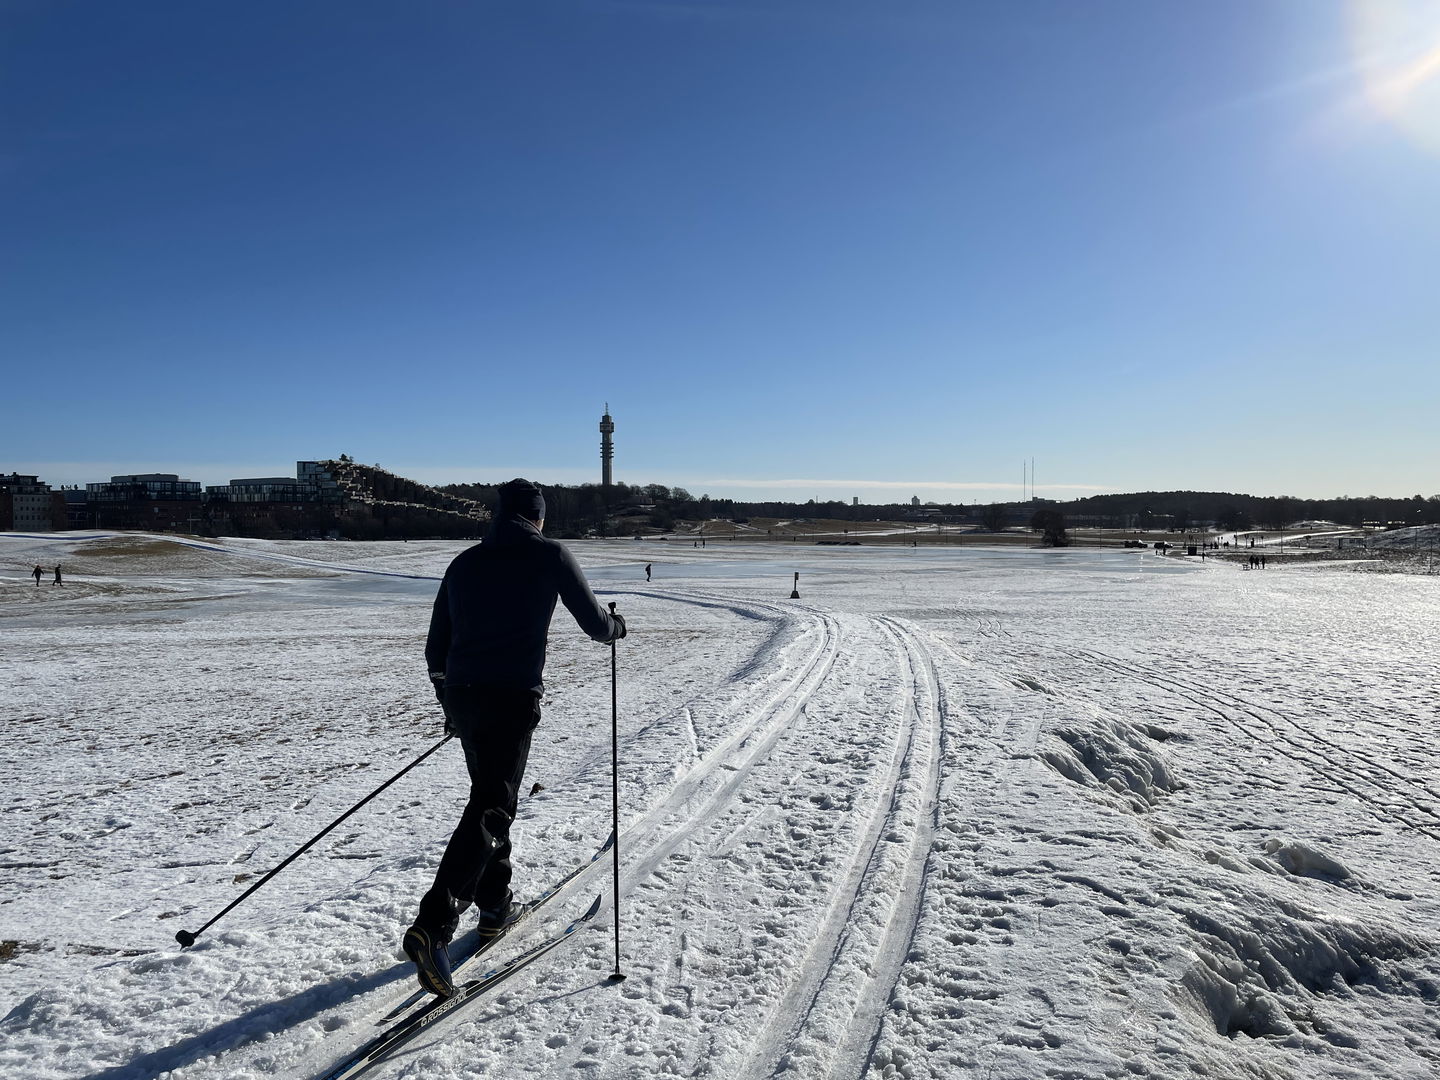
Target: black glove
{"type": "Point", "coordinates": [619, 626]}
{"type": "Point", "coordinates": [437, 680]}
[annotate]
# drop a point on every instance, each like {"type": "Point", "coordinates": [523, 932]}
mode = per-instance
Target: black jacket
{"type": "Point", "coordinates": [491, 620]}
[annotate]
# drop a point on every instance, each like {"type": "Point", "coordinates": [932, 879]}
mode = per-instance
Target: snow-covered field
{"type": "Point", "coordinates": [977, 814]}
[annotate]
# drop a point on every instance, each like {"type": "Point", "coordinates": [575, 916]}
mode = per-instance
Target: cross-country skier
{"type": "Point", "coordinates": [486, 652]}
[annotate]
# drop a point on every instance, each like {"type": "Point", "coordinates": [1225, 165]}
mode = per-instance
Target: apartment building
{"type": "Point", "coordinates": [27, 505]}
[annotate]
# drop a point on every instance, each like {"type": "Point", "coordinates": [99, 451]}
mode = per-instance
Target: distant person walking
{"type": "Point", "coordinates": [57, 580]}
{"type": "Point", "coordinates": [37, 573]}
{"type": "Point", "coordinates": [647, 571]}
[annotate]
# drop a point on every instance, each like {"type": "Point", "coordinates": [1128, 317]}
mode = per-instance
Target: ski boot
{"type": "Point", "coordinates": [494, 921]}
{"type": "Point", "coordinates": [431, 959]}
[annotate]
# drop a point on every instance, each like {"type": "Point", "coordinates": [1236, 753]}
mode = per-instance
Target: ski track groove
{"type": "Point", "coordinates": [895, 947]}
{"type": "Point", "coordinates": [841, 951]}
{"type": "Point", "coordinates": [675, 814]}
{"type": "Point", "coordinates": [1309, 748]}
{"type": "Point", "coordinates": [671, 821]}
{"type": "Point", "coordinates": [775, 642]}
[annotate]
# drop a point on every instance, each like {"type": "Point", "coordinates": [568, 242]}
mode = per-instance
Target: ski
{"type": "Point", "coordinates": [472, 945]}
{"type": "Point", "coordinates": [382, 1045]}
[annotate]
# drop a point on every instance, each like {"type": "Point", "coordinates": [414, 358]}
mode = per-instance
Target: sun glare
{"type": "Point", "coordinates": [1398, 45]}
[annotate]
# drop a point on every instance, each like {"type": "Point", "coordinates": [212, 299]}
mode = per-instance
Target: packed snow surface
{"type": "Point", "coordinates": [975, 814]}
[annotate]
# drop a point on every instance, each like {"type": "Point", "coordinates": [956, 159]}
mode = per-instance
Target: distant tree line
{"type": "Point", "coordinates": [577, 510]}
{"type": "Point", "coordinates": [1230, 511]}
{"type": "Point", "coordinates": [583, 509]}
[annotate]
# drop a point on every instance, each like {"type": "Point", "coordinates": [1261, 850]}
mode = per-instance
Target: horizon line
{"type": "Point", "coordinates": [81, 472]}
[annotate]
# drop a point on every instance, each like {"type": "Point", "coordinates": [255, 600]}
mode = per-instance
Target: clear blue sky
{"type": "Point", "coordinates": [824, 248]}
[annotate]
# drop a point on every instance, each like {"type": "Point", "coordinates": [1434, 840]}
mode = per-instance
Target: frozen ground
{"type": "Point", "coordinates": [976, 814]}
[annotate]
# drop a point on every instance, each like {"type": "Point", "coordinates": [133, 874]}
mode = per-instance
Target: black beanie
{"type": "Point", "coordinates": [521, 498]}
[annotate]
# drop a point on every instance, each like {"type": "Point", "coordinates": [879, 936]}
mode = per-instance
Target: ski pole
{"type": "Point", "coordinates": [615, 976]}
{"type": "Point", "coordinates": [186, 939]}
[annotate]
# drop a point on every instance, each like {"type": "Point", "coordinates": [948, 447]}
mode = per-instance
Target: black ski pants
{"type": "Point", "coordinates": [494, 725]}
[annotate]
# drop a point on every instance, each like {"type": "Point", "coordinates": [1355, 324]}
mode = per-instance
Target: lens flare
{"type": "Point", "coordinates": [1397, 45]}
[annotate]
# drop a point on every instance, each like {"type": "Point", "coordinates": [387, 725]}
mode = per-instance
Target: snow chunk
{"type": "Point", "coordinates": [1303, 860]}
{"type": "Point", "coordinates": [1255, 971]}
{"type": "Point", "coordinates": [1114, 756]}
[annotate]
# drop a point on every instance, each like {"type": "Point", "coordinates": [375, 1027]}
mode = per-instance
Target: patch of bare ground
{"type": "Point", "coordinates": [10, 949]}
{"type": "Point", "coordinates": [144, 556]}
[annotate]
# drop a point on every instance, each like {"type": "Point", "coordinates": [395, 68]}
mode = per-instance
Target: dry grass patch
{"type": "Point", "coordinates": [151, 556]}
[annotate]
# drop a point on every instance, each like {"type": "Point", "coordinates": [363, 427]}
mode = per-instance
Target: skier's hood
{"type": "Point", "coordinates": [511, 530]}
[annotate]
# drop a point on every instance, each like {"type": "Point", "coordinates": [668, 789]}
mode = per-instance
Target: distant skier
{"type": "Point", "coordinates": [647, 571]}
{"type": "Point", "coordinates": [57, 580]}
{"type": "Point", "coordinates": [37, 573]}
{"type": "Point", "coordinates": [486, 653]}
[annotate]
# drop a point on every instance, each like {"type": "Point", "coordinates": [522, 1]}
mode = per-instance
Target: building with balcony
{"type": "Point", "coordinates": [146, 501]}
{"type": "Point", "coordinates": [265, 489]}
{"type": "Point", "coordinates": [322, 477]}
{"type": "Point", "coordinates": [27, 505]}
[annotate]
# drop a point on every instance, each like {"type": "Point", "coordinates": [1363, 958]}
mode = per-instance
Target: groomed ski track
{"type": "Point", "coordinates": [861, 918]}
{"type": "Point", "coordinates": [866, 933]}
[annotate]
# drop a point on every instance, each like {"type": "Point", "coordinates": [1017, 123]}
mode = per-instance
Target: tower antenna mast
{"type": "Point", "coordinates": [607, 447]}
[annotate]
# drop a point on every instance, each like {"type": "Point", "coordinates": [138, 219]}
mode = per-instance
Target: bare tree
{"type": "Point", "coordinates": [1051, 525]}
{"type": "Point", "coordinates": [992, 517]}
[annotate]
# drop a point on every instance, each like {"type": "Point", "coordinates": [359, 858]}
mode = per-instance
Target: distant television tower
{"type": "Point", "coordinates": [607, 446]}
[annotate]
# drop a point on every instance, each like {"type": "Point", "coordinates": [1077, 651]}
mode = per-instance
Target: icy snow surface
{"type": "Point", "coordinates": [989, 814]}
